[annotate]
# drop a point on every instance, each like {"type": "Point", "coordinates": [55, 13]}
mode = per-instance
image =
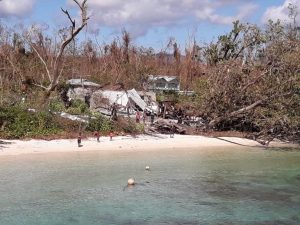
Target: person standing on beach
{"type": "Point", "coordinates": [137, 117]}
{"type": "Point", "coordinates": [152, 118]}
{"type": "Point", "coordinates": [97, 135]}
{"type": "Point", "coordinates": [172, 131]}
{"type": "Point", "coordinates": [144, 116]}
{"type": "Point", "coordinates": [79, 140]}
{"type": "Point", "coordinates": [111, 135]}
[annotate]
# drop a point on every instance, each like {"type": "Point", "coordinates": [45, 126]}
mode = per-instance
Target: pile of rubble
{"type": "Point", "coordinates": [163, 126]}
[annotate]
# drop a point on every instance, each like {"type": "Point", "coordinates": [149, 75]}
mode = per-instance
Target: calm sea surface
{"type": "Point", "coordinates": [220, 186]}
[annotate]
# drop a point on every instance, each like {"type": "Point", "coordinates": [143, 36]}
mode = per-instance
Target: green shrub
{"type": "Point", "coordinates": [105, 125]}
{"type": "Point", "coordinates": [56, 105]}
{"type": "Point", "coordinates": [140, 128]}
{"type": "Point", "coordinates": [18, 122]}
{"type": "Point", "coordinates": [168, 96]}
{"type": "Point", "coordinates": [67, 125]}
{"type": "Point", "coordinates": [78, 107]}
{"type": "Point", "coordinates": [129, 126]}
{"type": "Point", "coordinates": [101, 124]}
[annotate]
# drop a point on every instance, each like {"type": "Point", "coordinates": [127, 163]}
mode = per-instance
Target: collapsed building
{"type": "Point", "coordinates": [126, 102]}
{"type": "Point", "coordinates": [81, 89]}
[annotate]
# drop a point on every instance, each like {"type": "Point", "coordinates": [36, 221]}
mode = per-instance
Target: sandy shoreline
{"type": "Point", "coordinates": [140, 143]}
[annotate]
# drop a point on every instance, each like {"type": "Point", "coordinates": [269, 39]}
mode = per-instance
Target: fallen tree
{"type": "Point", "coordinates": [259, 95]}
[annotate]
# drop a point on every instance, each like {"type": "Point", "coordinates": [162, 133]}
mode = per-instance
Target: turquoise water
{"type": "Point", "coordinates": [219, 186]}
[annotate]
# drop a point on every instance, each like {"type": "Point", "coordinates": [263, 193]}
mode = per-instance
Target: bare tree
{"type": "Point", "coordinates": [54, 67]}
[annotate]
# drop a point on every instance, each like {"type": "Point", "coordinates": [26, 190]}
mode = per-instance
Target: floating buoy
{"type": "Point", "coordinates": [147, 167]}
{"type": "Point", "coordinates": [130, 181]}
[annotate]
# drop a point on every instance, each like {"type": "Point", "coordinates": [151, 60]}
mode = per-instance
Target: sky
{"type": "Point", "coordinates": [151, 23]}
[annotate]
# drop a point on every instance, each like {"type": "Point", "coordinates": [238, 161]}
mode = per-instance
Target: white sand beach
{"type": "Point", "coordinates": [121, 143]}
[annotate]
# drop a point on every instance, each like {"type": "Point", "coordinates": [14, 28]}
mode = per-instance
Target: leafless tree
{"type": "Point", "coordinates": [54, 67]}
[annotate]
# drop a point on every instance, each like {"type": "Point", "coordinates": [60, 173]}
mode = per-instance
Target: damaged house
{"type": "Point", "coordinates": [126, 102]}
{"type": "Point", "coordinates": [163, 83]}
{"type": "Point", "coordinates": [81, 89]}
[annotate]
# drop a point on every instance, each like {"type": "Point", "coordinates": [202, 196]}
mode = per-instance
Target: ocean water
{"type": "Point", "coordinates": [219, 186]}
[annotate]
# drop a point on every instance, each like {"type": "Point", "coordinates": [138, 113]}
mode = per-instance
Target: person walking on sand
{"type": "Point", "coordinates": [79, 140]}
{"type": "Point", "coordinates": [97, 136]}
{"type": "Point", "coordinates": [172, 131]}
{"type": "Point", "coordinates": [110, 136]}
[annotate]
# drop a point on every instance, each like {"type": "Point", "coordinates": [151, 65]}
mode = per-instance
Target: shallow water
{"type": "Point", "coordinates": [216, 186]}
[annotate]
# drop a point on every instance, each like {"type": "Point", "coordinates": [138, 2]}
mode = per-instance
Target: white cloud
{"type": "Point", "coordinates": [14, 8]}
{"type": "Point", "coordinates": [146, 14]}
{"type": "Point", "coordinates": [281, 12]}
{"type": "Point", "coordinates": [209, 14]}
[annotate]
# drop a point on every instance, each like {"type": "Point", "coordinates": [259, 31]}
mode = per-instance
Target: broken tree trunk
{"type": "Point", "coordinates": [247, 108]}
{"type": "Point", "coordinates": [235, 113]}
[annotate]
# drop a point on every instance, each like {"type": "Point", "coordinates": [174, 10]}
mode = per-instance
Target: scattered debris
{"type": "Point", "coordinates": [168, 127]}
{"type": "Point", "coordinates": [84, 119]}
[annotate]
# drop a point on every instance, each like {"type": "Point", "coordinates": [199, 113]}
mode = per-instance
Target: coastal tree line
{"type": "Point", "coordinates": [248, 80]}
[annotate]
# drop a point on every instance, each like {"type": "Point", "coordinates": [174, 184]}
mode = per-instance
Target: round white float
{"type": "Point", "coordinates": [147, 167]}
{"type": "Point", "coordinates": [130, 181]}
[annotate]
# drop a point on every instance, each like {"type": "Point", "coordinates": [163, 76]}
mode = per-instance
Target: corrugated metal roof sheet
{"type": "Point", "coordinates": [118, 97]}
{"type": "Point", "coordinates": [122, 98]}
{"type": "Point", "coordinates": [82, 82]}
{"type": "Point", "coordinates": [137, 98]}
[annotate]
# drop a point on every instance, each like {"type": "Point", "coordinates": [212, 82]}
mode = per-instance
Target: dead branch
{"type": "Point", "coordinates": [39, 85]}
{"type": "Point", "coordinates": [254, 82]}
{"type": "Point", "coordinates": [74, 32]}
{"type": "Point", "coordinates": [247, 108]}
{"type": "Point", "coordinates": [42, 60]}
{"type": "Point", "coordinates": [69, 17]}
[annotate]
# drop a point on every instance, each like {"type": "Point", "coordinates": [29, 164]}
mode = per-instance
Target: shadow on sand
{"type": "Point", "coordinates": [236, 143]}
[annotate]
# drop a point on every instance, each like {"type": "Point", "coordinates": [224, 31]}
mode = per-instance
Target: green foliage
{"type": "Point", "coordinates": [101, 124]}
{"type": "Point", "coordinates": [241, 41]}
{"type": "Point", "coordinates": [131, 127]}
{"type": "Point", "coordinates": [105, 125]}
{"type": "Point", "coordinates": [140, 128]}
{"type": "Point", "coordinates": [128, 126]}
{"type": "Point", "coordinates": [201, 90]}
{"type": "Point", "coordinates": [160, 97]}
{"type": "Point", "coordinates": [66, 125]}
{"type": "Point", "coordinates": [56, 105]}
{"type": "Point", "coordinates": [78, 107]}
{"type": "Point", "coordinates": [168, 96]}
{"type": "Point", "coordinates": [18, 122]}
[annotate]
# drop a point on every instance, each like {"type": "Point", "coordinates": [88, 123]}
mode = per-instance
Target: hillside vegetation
{"type": "Point", "coordinates": [248, 80]}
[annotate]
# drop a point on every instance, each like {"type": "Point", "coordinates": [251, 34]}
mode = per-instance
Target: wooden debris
{"type": "Point", "coordinates": [168, 127]}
